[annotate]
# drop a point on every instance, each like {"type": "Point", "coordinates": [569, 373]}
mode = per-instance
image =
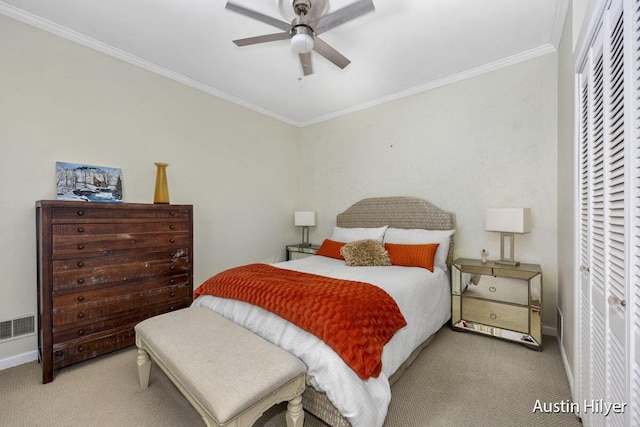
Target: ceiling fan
{"type": "Point", "coordinates": [309, 22]}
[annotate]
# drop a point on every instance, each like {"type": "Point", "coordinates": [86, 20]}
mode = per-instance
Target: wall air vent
{"type": "Point", "coordinates": [17, 328]}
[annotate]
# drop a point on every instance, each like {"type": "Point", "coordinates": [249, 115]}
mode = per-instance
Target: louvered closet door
{"type": "Point", "coordinates": [616, 212]}
{"type": "Point", "coordinates": [634, 302]}
{"type": "Point", "coordinates": [605, 219]}
{"type": "Point", "coordinates": [584, 298]}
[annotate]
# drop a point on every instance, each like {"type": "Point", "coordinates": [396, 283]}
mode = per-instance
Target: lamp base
{"type": "Point", "coordinates": [509, 237]}
{"type": "Point", "coordinates": [305, 237]}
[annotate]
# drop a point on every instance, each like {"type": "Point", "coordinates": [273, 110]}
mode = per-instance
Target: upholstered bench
{"type": "Point", "coordinates": [230, 375]}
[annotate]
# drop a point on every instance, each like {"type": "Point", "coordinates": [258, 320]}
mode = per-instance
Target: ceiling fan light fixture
{"type": "Point", "coordinates": [302, 41]}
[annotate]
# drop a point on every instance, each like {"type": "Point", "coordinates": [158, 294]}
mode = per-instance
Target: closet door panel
{"type": "Point", "coordinates": [608, 237]}
{"type": "Point", "coordinates": [633, 303]}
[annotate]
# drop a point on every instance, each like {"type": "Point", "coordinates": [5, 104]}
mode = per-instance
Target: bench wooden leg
{"type": "Point", "coordinates": [144, 368]}
{"type": "Point", "coordinates": [295, 413]}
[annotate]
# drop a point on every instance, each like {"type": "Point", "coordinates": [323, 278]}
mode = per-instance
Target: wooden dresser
{"type": "Point", "coordinates": [104, 267]}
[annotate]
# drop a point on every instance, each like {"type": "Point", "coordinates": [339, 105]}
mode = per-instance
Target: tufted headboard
{"type": "Point", "coordinates": [398, 212]}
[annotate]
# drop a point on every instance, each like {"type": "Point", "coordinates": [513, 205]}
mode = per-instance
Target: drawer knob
{"type": "Point", "coordinates": [80, 264]}
{"type": "Point", "coordinates": [80, 315]}
{"type": "Point", "coordinates": [81, 332]}
{"type": "Point", "coordinates": [173, 281]}
{"type": "Point", "coordinates": [80, 230]}
{"type": "Point", "coordinates": [172, 308]}
{"type": "Point", "coordinates": [80, 349]}
{"type": "Point", "coordinates": [172, 227]}
{"type": "Point", "coordinates": [172, 294]}
{"type": "Point", "coordinates": [80, 247]}
{"type": "Point", "coordinates": [492, 288]}
{"type": "Point", "coordinates": [173, 267]}
{"type": "Point", "coordinates": [172, 240]}
{"type": "Point", "coordinates": [80, 212]}
{"type": "Point", "coordinates": [493, 316]}
{"type": "Point", "coordinates": [172, 213]}
{"type": "Point", "coordinates": [81, 281]}
{"type": "Point", "coordinates": [59, 353]}
{"type": "Point", "coordinates": [80, 298]}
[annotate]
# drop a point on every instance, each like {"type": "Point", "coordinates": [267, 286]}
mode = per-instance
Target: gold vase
{"type": "Point", "coordinates": [161, 194]}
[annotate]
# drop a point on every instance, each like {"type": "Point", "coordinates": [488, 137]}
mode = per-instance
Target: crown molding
{"type": "Point", "coordinates": [496, 65]}
{"type": "Point", "coordinates": [558, 23]}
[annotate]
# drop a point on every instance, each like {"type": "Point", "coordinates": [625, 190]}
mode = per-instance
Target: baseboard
{"type": "Point", "coordinates": [20, 359]}
{"type": "Point", "coordinates": [549, 330]}
{"type": "Point", "coordinates": [567, 370]}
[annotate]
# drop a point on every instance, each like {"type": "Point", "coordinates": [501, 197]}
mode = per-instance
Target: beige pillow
{"type": "Point", "coordinates": [365, 253]}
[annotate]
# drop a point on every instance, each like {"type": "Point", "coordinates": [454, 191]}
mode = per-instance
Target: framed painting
{"type": "Point", "coordinates": [88, 183]}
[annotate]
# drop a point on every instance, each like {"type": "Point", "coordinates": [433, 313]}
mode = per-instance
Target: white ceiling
{"type": "Point", "coordinates": [404, 47]}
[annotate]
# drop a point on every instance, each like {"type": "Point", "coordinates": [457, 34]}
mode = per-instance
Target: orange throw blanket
{"type": "Point", "coordinates": [355, 319]}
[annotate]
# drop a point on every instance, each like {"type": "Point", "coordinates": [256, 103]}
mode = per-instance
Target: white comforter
{"type": "Point", "coordinates": [423, 298]}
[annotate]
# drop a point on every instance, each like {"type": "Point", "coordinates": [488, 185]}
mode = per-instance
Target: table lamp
{"type": "Point", "coordinates": [508, 221]}
{"type": "Point", "coordinates": [304, 219]}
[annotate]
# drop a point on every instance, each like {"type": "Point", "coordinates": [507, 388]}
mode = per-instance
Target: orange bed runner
{"type": "Point", "coordinates": [355, 319]}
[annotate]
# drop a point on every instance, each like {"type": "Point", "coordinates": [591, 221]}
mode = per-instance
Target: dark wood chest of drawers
{"type": "Point", "coordinates": [104, 267]}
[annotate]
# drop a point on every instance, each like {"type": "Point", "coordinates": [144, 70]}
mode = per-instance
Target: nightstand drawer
{"type": "Point", "coordinates": [300, 251]}
{"type": "Point", "coordinates": [500, 289]}
{"type": "Point", "coordinates": [476, 269]}
{"type": "Point", "coordinates": [298, 255]}
{"type": "Point", "coordinates": [516, 274]}
{"type": "Point", "coordinates": [505, 316]}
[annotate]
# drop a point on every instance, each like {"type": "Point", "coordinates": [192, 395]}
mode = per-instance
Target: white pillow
{"type": "Point", "coordinates": [419, 236]}
{"type": "Point", "coordinates": [348, 235]}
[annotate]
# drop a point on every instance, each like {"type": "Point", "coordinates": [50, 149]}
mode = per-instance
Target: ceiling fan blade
{"type": "Point", "coordinates": [258, 16]}
{"type": "Point", "coordinates": [330, 53]}
{"type": "Point", "coordinates": [305, 62]}
{"type": "Point", "coordinates": [343, 15]}
{"type": "Point", "coordinates": [262, 39]}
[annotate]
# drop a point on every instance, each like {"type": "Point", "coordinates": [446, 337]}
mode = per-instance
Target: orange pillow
{"type": "Point", "coordinates": [412, 255]}
{"type": "Point", "coordinates": [331, 249]}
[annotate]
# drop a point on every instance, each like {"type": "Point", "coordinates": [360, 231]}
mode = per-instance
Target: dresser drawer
{"type": "Point", "coordinates": [71, 352]}
{"type": "Point", "coordinates": [87, 272]}
{"type": "Point", "coordinates": [88, 306]}
{"type": "Point", "coordinates": [76, 331]}
{"type": "Point", "coordinates": [504, 316]}
{"type": "Point", "coordinates": [79, 246]}
{"type": "Point", "coordinates": [97, 230]}
{"type": "Point", "coordinates": [92, 213]}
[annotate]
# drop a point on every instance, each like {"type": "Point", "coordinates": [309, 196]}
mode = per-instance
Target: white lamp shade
{"type": "Point", "coordinates": [304, 218]}
{"type": "Point", "coordinates": [508, 220]}
{"type": "Point", "coordinates": [302, 43]}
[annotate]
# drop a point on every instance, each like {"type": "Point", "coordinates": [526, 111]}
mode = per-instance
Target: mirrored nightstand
{"type": "Point", "coordinates": [498, 300]}
{"type": "Point", "coordinates": [297, 251]}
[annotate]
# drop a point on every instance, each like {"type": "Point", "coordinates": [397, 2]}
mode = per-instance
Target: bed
{"type": "Point", "coordinates": [335, 393]}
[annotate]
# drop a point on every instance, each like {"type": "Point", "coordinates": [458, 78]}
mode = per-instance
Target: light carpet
{"type": "Point", "coordinates": [461, 379]}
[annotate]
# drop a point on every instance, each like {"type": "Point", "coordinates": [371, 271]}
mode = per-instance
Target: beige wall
{"type": "Point", "coordinates": [60, 101]}
{"type": "Point", "coordinates": [488, 141]}
{"type": "Point", "coordinates": [566, 191]}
